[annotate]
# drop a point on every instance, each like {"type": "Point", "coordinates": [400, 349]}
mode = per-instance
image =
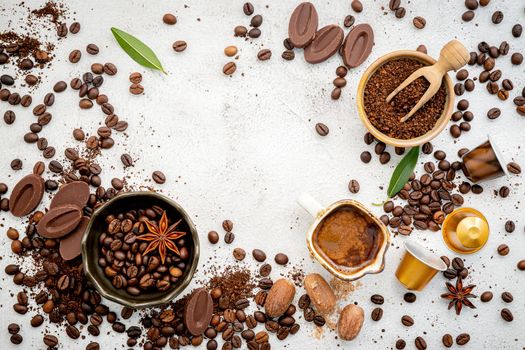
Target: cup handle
{"type": "Point", "coordinates": [309, 204]}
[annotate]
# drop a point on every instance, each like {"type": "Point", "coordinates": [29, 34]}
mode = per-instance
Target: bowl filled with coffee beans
{"type": "Point", "coordinates": [383, 119]}
{"type": "Point", "coordinates": [140, 249]}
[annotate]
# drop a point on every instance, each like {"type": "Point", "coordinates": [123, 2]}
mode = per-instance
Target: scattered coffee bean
{"type": "Point", "coordinates": [169, 19]}
{"type": "Point", "coordinates": [321, 129]}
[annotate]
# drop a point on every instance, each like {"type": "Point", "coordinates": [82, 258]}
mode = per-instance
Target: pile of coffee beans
{"type": "Point", "coordinates": [429, 199]}
{"type": "Point", "coordinates": [122, 253]}
{"type": "Point", "coordinates": [61, 291]}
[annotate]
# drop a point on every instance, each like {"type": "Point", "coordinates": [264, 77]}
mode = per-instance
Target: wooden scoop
{"type": "Point", "coordinates": [453, 56]}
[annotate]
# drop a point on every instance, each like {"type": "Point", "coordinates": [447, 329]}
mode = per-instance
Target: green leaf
{"type": "Point", "coordinates": [402, 172]}
{"type": "Point", "coordinates": [137, 50]}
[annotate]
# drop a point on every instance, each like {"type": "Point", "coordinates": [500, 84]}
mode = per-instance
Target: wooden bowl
{"type": "Point", "coordinates": [441, 122]}
{"type": "Point", "coordinates": [91, 253]}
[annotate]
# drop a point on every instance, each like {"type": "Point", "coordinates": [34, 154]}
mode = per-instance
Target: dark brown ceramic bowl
{"type": "Point", "coordinates": [91, 253]}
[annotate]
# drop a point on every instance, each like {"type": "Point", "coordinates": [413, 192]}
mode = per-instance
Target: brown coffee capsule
{"type": "Point", "coordinates": [303, 24]}
{"type": "Point", "coordinates": [483, 163]}
{"type": "Point", "coordinates": [198, 311]}
{"type": "Point", "coordinates": [70, 245]}
{"type": "Point", "coordinates": [59, 221]}
{"type": "Point", "coordinates": [74, 193]}
{"type": "Point", "coordinates": [358, 45]}
{"type": "Point", "coordinates": [325, 44]}
{"type": "Point", "coordinates": [26, 195]}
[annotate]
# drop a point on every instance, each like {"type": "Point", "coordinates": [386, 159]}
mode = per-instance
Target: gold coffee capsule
{"type": "Point", "coordinates": [465, 230]}
{"type": "Point", "coordinates": [418, 266]}
{"type": "Point", "coordinates": [483, 163]}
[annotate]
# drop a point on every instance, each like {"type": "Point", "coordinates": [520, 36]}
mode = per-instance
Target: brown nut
{"type": "Point", "coordinates": [350, 322]}
{"type": "Point", "coordinates": [320, 292]}
{"type": "Point", "coordinates": [279, 297]}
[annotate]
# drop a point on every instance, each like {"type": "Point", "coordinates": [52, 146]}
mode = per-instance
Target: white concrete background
{"type": "Point", "coordinates": [244, 148]}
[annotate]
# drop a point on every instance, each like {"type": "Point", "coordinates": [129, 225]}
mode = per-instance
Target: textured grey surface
{"type": "Point", "coordinates": [244, 148]}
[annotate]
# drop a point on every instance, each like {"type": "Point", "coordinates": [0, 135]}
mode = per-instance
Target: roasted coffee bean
{"type": "Point", "coordinates": [516, 58]}
{"type": "Point", "coordinates": [353, 186]}
{"type": "Point", "coordinates": [497, 17]}
{"type": "Point", "coordinates": [265, 283]}
{"type": "Point", "coordinates": [462, 339]}
{"type": "Point", "coordinates": [254, 33]}
{"type": "Point", "coordinates": [158, 176]}
{"type": "Point", "coordinates": [506, 314]}
{"type": "Point", "coordinates": [319, 320]}
{"type": "Point", "coordinates": [450, 274]}
{"type": "Point", "coordinates": [16, 339]}
{"type": "Point", "coordinates": [420, 343]}
{"type": "Point", "coordinates": [256, 21]}
{"type": "Point", "coordinates": [229, 237]}
{"type": "Point", "coordinates": [409, 297]}
{"type": "Point", "coordinates": [486, 296]}
{"type": "Point", "coordinates": [213, 237]}
{"type": "Point", "coordinates": [229, 68]}
{"type": "Point", "coordinates": [259, 255]}
{"type": "Point", "coordinates": [510, 226]}
{"type": "Point", "coordinates": [400, 12]}
{"type": "Point", "coordinates": [521, 265]}
{"type": "Point", "coordinates": [377, 299]}
{"type": "Point", "coordinates": [407, 321]}
{"type": "Point", "coordinates": [377, 314]}
{"type": "Point", "coordinates": [349, 21]}
{"type": "Point", "coordinates": [321, 129]}
{"type": "Point", "coordinates": [507, 297]}
{"type": "Point", "coordinates": [503, 249]}
{"type": "Point", "coordinates": [92, 49]}
{"type": "Point", "coordinates": [16, 164]}
{"type": "Point", "coordinates": [50, 340]}
{"type": "Point", "coordinates": [239, 254]}
{"type": "Point", "coordinates": [74, 56]}
{"type": "Point", "coordinates": [248, 9]}
{"type": "Point", "coordinates": [447, 340]}
{"type": "Point", "coordinates": [240, 31]}
{"type": "Point", "coordinates": [281, 259]}
{"type": "Point", "coordinates": [400, 344]}
{"type": "Point", "coordinates": [384, 157]}
{"type": "Point", "coordinates": [419, 22]}
{"type": "Point", "coordinates": [179, 45]}
{"type": "Point", "coordinates": [289, 55]}
{"type": "Point", "coordinates": [366, 157]}
{"type": "Point", "coordinates": [514, 168]}
{"type": "Point", "coordinates": [9, 117]}
{"type": "Point", "coordinates": [110, 68]}
{"type": "Point", "coordinates": [264, 54]}
{"type": "Point", "coordinates": [493, 113]}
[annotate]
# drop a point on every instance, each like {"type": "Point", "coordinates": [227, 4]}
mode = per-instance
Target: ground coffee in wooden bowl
{"type": "Point", "coordinates": [385, 117]}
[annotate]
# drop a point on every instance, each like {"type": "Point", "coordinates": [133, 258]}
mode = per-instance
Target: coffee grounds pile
{"type": "Point", "coordinates": [386, 116]}
{"type": "Point", "coordinates": [53, 10]}
{"type": "Point", "coordinates": [22, 46]}
{"type": "Point", "coordinates": [235, 284]}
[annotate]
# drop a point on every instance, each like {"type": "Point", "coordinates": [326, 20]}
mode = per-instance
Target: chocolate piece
{"type": "Point", "coordinates": [326, 43]}
{"type": "Point", "coordinates": [74, 193]}
{"type": "Point", "coordinates": [198, 312]}
{"type": "Point", "coordinates": [70, 245]}
{"type": "Point", "coordinates": [358, 45]}
{"type": "Point", "coordinates": [303, 24]}
{"type": "Point", "coordinates": [26, 195]}
{"type": "Point", "coordinates": [59, 221]}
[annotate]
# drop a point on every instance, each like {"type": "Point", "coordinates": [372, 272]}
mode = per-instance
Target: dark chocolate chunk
{"type": "Point", "coordinates": [326, 43]}
{"type": "Point", "coordinates": [26, 195]}
{"type": "Point", "coordinates": [358, 45]}
{"type": "Point", "coordinates": [59, 221]}
{"type": "Point", "coordinates": [70, 245]}
{"type": "Point", "coordinates": [74, 193]}
{"type": "Point", "coordinates": [198, 312]}
{"type": "Point", "coordinates": [303, 24]}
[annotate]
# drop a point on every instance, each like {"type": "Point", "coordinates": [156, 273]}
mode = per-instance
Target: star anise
{"type": "Point", "coordinates": [162, 237]}
{"type": "Point", "coordinates": [459, 295]}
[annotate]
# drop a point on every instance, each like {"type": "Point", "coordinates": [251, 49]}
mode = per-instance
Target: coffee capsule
{"type": "Point", "coordinates": [418, 266]}
{"type": "Point", "coordinates": [465, 230]}
{"type": "Point", "coordinates": [483, 163]}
